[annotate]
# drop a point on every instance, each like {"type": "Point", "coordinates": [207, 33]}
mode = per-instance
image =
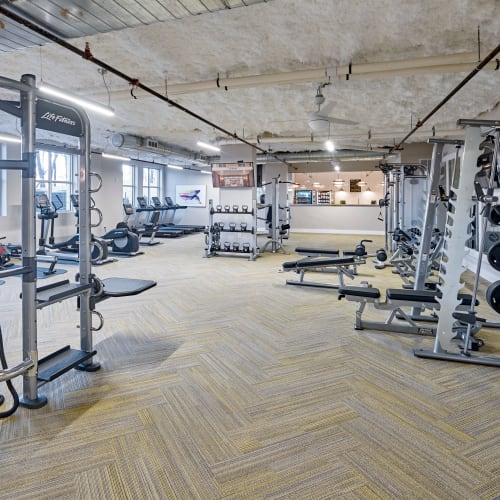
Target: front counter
{"type": "Point", "coordinates": [337, 219]}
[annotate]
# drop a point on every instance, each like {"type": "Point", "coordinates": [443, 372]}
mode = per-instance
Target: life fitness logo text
{"type": "Point", "coordinates": [52, 117]}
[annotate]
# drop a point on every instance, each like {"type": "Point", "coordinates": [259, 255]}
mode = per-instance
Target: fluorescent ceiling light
{"type": "Point", "coordinates": [329, 145]}
{"type": "Point", "coordinates": [10, 138]}
{"type": "Point", "coordinates": [208, 146]}
{"type": "Point", "coordinates": [175, 167]}
{"type": "Point", "coordinates": [80, 101]}
{"type": "Point", "coordinates": [115, 157]}
{"type": "Point", "coordinates": [205, 172]}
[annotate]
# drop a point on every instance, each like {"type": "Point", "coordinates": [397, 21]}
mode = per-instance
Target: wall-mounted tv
{"type": "Point", "coordinates": [233, 175]}
{"type": "Point", "coordinates": [303, 197]}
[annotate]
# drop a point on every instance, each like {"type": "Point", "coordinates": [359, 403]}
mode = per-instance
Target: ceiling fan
{"type": "Point", "coordinates": [320, 121]}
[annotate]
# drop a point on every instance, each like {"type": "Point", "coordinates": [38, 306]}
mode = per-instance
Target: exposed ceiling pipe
{"type": "Point", "coordinates": [452, 63]}
{"type": "Point", "coordinates": [312, 139]}
{"type": "Point", "coordinates": [321, 156]}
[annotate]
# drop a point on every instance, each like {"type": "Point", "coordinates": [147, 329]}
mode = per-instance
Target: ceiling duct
{"type": "Point", "coordinates": [152, 145]}
{"type": "Point", "coordinates": [320, 156]}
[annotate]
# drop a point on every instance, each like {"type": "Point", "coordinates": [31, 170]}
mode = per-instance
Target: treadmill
{"type": "Point", "coordinates": [161, 231]}
{"type": "Point", "coordinates": [173, 207]}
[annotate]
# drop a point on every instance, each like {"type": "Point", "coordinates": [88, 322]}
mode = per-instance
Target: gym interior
{"type": "Point", "coordinates": [271, 275]}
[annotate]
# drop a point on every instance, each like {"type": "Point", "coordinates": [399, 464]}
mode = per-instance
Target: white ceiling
{"type": "Point", "coordinates": [171, 45]}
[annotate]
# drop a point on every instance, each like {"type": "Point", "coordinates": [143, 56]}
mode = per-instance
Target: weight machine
{"type": "Point", "coordinates": [279, 226]}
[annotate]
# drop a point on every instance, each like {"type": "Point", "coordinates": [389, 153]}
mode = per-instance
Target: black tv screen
{"type": "Point", "coordinates": [233, 175]}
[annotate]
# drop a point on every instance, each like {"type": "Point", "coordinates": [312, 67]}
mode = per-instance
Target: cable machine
{"type": "Point", "coordinates": [279, 226]}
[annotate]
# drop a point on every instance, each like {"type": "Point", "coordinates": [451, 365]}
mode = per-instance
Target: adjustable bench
{"type": "Point", "coordinates": [340, 265]}
{"type": "Point", "coordinates": [396, 299]}
{"type": "Point", "coordinates": [316, 252]}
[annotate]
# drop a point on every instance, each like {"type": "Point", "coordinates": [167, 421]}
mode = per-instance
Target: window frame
{"type": "Point", "coordinates": [50, 158]}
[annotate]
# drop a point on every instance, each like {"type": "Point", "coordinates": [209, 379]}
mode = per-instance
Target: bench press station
{"type": "Point", "coordinates": [396, 299]}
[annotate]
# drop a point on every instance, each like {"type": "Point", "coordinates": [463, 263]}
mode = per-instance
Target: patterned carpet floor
{"type": "Point", "coordinates": [222, 382]}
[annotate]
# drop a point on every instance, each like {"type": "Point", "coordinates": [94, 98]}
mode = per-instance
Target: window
{"type": "Point", "coordinates": [150, 182]}
{"type": "Point", "coordinates": [54, 177]}
{"type": "Point", "coordinates": [129, 183]}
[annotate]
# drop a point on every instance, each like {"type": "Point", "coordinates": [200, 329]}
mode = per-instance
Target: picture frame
{"type": "Point", "coordinates": [191, 195]}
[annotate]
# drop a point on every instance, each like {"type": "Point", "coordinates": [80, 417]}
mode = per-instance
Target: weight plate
{"type": "Point", "coordinates": [494, 256]}
{"type": "Point", "coordinates": [494, 216]}
{"type": "Point", "coordinates": [493, 296]}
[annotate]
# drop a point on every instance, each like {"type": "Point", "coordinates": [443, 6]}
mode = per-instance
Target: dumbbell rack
{"type": "Point", "coordinates": [220, 223]}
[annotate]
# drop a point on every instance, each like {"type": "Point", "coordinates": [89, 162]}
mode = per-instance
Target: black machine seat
{"type": "Point", "coordinates": [359, 291]}
{"type": "Point", "coordinates": [400, 294]}
{"type": "Point", "coordinates": [316, 251]}
{"type": "Point", "coordinates": [411, 295]}
{"type": "Point", "coordinates": [300, 264]}
{"type": "Point", "coordinates": [122, 287]}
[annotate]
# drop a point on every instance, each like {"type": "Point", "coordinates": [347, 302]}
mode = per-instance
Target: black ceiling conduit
{"type": "Point", "coordinates": [134, 82]}
{"type": "Point", "coordinates": [469, 77]}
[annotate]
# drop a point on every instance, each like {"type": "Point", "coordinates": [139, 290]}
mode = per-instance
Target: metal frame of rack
{"type": "Point", "coordinates": [35, 112]}
{"type": "Point", "coordinates": [214, 230]}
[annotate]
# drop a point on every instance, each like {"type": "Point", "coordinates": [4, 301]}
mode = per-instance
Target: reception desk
{"type": "Point", "coordinates": [337, 219]}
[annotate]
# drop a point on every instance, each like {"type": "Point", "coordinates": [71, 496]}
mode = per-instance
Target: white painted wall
{"type": "Point", "coordinates": [348, 219]}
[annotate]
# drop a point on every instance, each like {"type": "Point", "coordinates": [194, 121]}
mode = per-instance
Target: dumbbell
{"type": "Point", "coordinates": [232, 226]}
{"type": "Point", "coordinates": [218, 208]}
{"type": "Point", "coordinates": [243, 226]}
{"type": "Point", "coordinates": [246, 247]}
{"type": "Point", "coordinates": [235, 208]}
{"type": "Point", "coordinates": [236, 246]}
{"type": "Point", "coordinates": [221, 226]}
{"type": "Point", "coordinates": [244, 208]}
{"type": "Point", "coordinates": [227, 208]}
{"type": "Point", "coordinates": [227, 246]}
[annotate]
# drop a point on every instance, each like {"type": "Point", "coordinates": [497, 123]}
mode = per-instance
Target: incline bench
{"type": "Point", "coordinates": [343, 266]}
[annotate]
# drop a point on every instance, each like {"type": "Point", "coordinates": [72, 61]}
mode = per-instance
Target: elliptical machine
{"type": "Point", "coordinates": [68, 249]}
{"type": "Point", "coordinates": [122, 241]}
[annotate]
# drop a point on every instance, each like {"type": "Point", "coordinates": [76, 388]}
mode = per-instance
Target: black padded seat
{"type": "Point", "coordinates": [340, 261]}
{"type": "Point", "coordinates": [411, 295]}
{"type": "Point", "coordinates": [301, 264]}
{"type": "Point", "coordinates": [316, 251]}
{"type": "Point", "coordinates": [466, 299]}
{"type": "Point", "coordinates": [359, 291]}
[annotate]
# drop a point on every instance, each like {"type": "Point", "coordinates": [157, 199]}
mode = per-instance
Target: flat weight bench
{"type": "Point", "coordinates": [340, 265]}
{"type": "Point", "coordinates": [396, 300]}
